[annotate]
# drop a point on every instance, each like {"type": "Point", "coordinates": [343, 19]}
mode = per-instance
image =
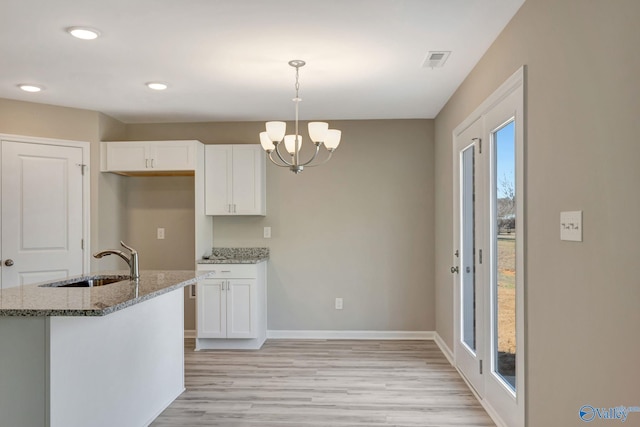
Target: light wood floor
{"type": "Point", "coordinates": [324, 383]}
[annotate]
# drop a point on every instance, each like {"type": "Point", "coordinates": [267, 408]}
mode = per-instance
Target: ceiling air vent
{"type": "Point", "coordinates": [436, 59]}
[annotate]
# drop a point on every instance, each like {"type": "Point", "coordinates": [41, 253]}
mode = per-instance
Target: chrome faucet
{"type": "Point", "coordinates": [132, 261]}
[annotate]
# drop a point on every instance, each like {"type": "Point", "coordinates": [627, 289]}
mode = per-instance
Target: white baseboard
{"type": "Point", "coordinates": [350, 335]}
{"type": "Point", "coordinates": [487, 407]}
{"type": "Point", "coordinates": [189, 333]}
{"type": "Point", "coordinates": [165, 406]}
{"type": "Point", "coordinates": [229, 344]}
{"type": "Point", "coordinates": [444, 348]}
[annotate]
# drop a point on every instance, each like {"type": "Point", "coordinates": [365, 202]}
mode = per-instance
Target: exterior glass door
{"type": "Point", "coordinates": [470, 282]}
{"type": "Point", "coordinates": [489, 251]}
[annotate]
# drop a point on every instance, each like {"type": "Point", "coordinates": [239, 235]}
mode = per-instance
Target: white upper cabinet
{"type": "Point", "coordinates": [148, 156]}
{"type": "Point", "coordinates": [235, 180]}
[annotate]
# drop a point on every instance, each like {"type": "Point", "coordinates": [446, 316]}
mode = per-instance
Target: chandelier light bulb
{"type": "Point", "coordinates": [290, 143]}
{"type": "Point", "coordinates": [317, 131]}
{"type": "Point", "coordinates": [266, 142]}
{"type": "Point", "coordinates": [276, 130]}
{"type": "Point", "coordinates": [332, 139]}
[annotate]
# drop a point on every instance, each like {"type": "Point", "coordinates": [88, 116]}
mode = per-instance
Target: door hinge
{"type": "Point", "coordinates": [82, 167]}
{"type": "Point", "coordinates": [480, 255]}
{"type": "Point", "coordinates": [480, 366]}
{"type": "Point", "coordinates": [82, 244]}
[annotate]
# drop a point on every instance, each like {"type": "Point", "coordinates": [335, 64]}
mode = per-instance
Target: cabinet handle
{"type": "Point", "coordinates": [152, 166]}
{"type": "Point", "coordinates": [146, 163]}
{"type": "Point", "coordinates": [234, 208]}
{"type": "Point", "coordinates": [226, 271]}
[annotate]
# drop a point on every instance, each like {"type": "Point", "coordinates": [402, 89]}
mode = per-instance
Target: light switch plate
{"type": "Point", "coordinates": [571, 226]}
{"type": "Point", "coordinates": [267, 233]}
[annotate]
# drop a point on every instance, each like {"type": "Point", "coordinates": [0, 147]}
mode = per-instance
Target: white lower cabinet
{"type": "Point", "coordinates": [227, 308]}
{"type": "Point", "coordinates": [231, 308]}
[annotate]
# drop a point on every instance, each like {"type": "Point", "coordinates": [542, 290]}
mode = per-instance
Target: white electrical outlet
{"type": "Point", "coordinates": [267, 232]}
{"type": "Point", "coordinates": [338, 303]}
{"type": "Point", "coordinates": [160, 233]}
{"type": "Point", "coordinates": [571, 226]}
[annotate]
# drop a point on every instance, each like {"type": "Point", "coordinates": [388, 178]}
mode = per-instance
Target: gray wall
{"type": "Point", "coordinates": [582, 151]}
{"type": "Point", "coordinates": [162, 202]}
{"type": "Point", "coordinates": [359, 227]}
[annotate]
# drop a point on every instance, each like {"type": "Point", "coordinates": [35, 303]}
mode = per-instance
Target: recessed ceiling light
{"type": "Point", "coordinates": [157, 85]}
{"type": "Point", "coordinates": [84, 33]}
{"type": "Point", "coordinates": [30, 88]}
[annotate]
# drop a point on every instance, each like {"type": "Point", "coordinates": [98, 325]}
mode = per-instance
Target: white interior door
{"type": "Point", "coordinates": [489, 242]}
{"type": "Point", "coordinates": [42, 212]}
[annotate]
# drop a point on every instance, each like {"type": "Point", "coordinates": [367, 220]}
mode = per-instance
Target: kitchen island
{"type": "Point", "coordinates": [99, 356]}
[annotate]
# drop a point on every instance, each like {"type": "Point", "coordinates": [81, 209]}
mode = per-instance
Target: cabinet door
{"type": "Point", "coordinates": [211, 309]}
{"type": "Point", "coordinates": [248, 180]}
{"type": "Point", "coordinates": [174, 155]}
{"type": "Point", "coordinates": [127, 156]}
{"type": "Point", "coordinates": [242, 309]}
{"type": "Point", "coordinates": [218, 183]}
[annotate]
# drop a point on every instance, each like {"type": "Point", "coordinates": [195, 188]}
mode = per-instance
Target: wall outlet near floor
{"type": "Point", "coordinates": [160, 233]}
{"type": "Point", "coordinates": [338, 303]}
{"type": "Point", "coordinates": [267, 232]}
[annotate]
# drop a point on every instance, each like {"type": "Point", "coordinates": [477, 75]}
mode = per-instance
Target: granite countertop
{"type": "Point", "coordinates": [235, 256]}
{"type": "Point", "coordinates": [35, 300]}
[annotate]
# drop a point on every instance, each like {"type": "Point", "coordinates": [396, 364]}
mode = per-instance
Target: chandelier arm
{"type": "Point", "coordinates": [313, 157]}
{"type": "Point", "coordinates": [277, 150]}
{"type": "Point", "coordinates": [324, 161]}
{"type": "Point", "coordinates": [270, 156]}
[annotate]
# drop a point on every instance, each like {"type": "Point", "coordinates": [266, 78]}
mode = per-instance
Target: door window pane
{"type": "Point", "coordinates": [504, 286]}
{"type": "Point", "coordinates": [467, 265]}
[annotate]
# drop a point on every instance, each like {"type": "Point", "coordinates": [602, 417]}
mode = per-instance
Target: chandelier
{"type": "Point", "coordinates": [319, 133]}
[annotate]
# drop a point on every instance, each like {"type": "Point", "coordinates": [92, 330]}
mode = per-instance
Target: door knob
{"type": "Point", "coordinates": [8, 262]}
{"type": "Point", "coordinates": [454, 270]}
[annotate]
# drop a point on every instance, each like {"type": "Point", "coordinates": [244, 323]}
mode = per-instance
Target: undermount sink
{"type": "Point", "coordinates": [86, 282]}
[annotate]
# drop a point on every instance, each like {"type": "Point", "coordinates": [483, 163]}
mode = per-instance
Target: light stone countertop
{"type": "Point", "coordinates": [36, 301]}
{"type": "Point", "coordinates": [236, 256]}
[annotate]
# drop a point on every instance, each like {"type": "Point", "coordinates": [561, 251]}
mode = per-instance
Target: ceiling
{"type": "Point", "coordinates": [226, 60]}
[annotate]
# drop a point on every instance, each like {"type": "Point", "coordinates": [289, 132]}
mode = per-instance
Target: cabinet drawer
{"type": "Point", "coordinates": [236, 271]}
